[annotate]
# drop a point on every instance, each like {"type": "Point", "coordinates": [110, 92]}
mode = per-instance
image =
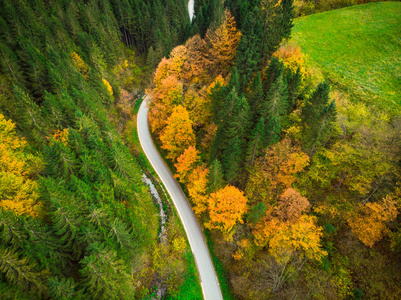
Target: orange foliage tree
{"type": "Point", "coordinates": [291, 205]}
{"type": "Point", "coordinates": [224, 41]}
{"type": "Point", "coordinates": [369, 222]}
{"type": "Point", "coordinates": [226, 208]}
{"type": "Point", "coordinates": [186, 163]}
{"type": "Point", "coordinates": [196, 67]}
{"type": "Point", "coordinates": [18, 192]}
{"type": "Point", "coordinates": [165, 97]}
{"type": "Point", "coordinates": [178, 134]}
{"type": "Point", "coordinates": [292, 58]}
{"type": "Point", "coordinates": [275, 171]}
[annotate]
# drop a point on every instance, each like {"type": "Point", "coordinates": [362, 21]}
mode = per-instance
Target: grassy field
{"type": "Point", "coordinates": [358, 48]}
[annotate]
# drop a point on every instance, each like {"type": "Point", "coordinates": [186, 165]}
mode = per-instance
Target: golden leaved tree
{"type": "Point", "coordinates": [178, 134]}
{"type": "Point", "coordinates": [226, 208]}
{"type": "Point", "coordinates": [369, 223]}
{"type": "Point", "coordinates": [18, 191]}
{"type": "Point", "coordinates": [275, 171]}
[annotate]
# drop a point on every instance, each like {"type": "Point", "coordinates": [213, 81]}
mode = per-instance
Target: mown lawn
{"type": "Point", "coordinates": [358, 48]}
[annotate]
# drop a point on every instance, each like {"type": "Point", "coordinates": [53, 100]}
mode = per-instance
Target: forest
{"type": "Point", "coordinates": [295, 183]}
{"type": "Point", "coordinates": [76, 220]}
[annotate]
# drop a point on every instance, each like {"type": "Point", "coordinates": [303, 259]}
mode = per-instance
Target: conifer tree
{"type": "Point", "coordinates": [256, 143]}
{"type": "Point", "coordinates": [249, 52]}
{"type": "Point", "coordinates": [215, 177]}
{"type": "Point", "coordinates": [20, 272]}
{"type": "Point", "coordinates": [105, 275]}
{"type": "Point", "coordinates": [318, 116]}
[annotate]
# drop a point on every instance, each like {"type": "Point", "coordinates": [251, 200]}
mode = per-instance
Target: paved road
{"type": "Point", "coordinates": [191, 4]}
{"type": "Point", "coordinates": [210, 285]}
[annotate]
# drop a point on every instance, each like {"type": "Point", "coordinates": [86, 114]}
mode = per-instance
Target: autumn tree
{"type": "Point", "coordinates": [19, 192]}
{"type": "Point", "coordinates": [275, 171]}
{"type": "Point", "coordinates": [303, 236]}
{"type": "Point", "coordinates": [197, 189]}
{"type": "Point", "coordinates": [186, 162]}
{"type": "Point", "coordinates": [178, 134]}
{"type": "Point", "coordinates": [198, 105]}
{"type": "Point", "coordinates": [226, 208]}
{"type": "Point", "coordinates": [224, 41]}
{"type": "Point", "coordinates": [369, 222]}
{"type": "Point", "coordinates": [291, 205]}
{"type": "Point", "coordinates": [196, 67]}
{"type": "Point", "coordinates": [164, 99]}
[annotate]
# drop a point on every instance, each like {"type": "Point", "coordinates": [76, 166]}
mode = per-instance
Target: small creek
{"type": "Point", "coordinates": [163, 216]}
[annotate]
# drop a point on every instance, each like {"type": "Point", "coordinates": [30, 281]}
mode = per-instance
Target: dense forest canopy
{"type": "Point", "coordinates": [76, 219]}
{"type": "Point", "coordinates": [297, 183]}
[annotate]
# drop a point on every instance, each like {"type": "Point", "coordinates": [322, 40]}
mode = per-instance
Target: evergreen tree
{"type": "Point", "coordinates": [215, 177]}
{"type": "Point", "coordinates": [318, 116]}
{"type": "Point", "coordinates": [63, 289]}
{"type": "Point", "coordinates": [249, 51]}
{"type": "Point", "coordinates": [232, 158]}
{"type": "Point", "coordinates": [20, 272]}
{"type": "Point", "coordinates": [256, 142]}
{"type": "Point", "coordinates": [105, 276]}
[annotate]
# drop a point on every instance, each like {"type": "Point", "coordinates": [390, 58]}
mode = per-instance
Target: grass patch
{"type": "Point", "coordinates": [226, 289]}
{"type": "Point", "coordinates": [358, 48]}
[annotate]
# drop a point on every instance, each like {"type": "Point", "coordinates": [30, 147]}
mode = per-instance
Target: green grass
{"type": "Point", "coordinates": [358, 48]}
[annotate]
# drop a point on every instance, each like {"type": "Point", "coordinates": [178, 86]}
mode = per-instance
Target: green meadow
{"type": "Point", "coordinates": [358, 48]}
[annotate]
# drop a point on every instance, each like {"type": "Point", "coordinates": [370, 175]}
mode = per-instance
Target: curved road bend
{"type": "Point", "coordinates": [209, 282]}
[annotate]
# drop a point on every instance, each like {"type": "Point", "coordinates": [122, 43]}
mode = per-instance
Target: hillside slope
{"type": "Point", "coordinates": [358, 48]}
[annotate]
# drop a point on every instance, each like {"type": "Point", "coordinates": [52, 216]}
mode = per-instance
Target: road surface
{"type": "Point", "coordinates": [210, 284]}
{"type": "Point", "coordinates": [191, 4]}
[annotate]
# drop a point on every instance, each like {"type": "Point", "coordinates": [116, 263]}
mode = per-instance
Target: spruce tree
{"type": "Point", "coordinates": [215, 177]}
{"type": "Point", "coordinates": [256, 142]}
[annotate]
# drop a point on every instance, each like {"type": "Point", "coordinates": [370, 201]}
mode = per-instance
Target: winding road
{"type": "Point", "coordinates": [209, 282]}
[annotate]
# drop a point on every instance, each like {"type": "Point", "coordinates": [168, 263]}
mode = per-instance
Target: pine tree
{"type": "Point", "coordinates": [232, 158]}
{"type": "Point", "coordinates": [255, 97]}
{"type": "Point", "coordinates": [256, 143]}
{"type": "Point", "coordinates": [249, 52]}
{"type": "Point", "coordinates": [20, 272]}
{"type": "Point", "coordinates": [215, 177]}
{"type": "Point", "coordinates": [105, 275]}
{"type": "Point", "coordinates": [63, 289]}
{"type": "Point", "coordinates": [318, 116]}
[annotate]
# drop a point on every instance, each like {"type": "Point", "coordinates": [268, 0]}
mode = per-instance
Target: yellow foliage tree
{"type": "Point", "coordinates": [178, 134]}
{"type": "Point", "coordinates": [224, 41]}
{"type": "Point", "coordinates": [226, 208]}
{"type": "Point", "coordinates": [80, 65]}
{"type": "Point", "coordinates": [197, 189]}
{"type": "Point", "coordinates": [369, 222]}
{"type": "Point", "coordinates": [302, 236]}
{"type": "Point", "coordinates": [292, 58]}
{"type": "Point", "coordinates": [198, 105]}
{"type": "Point", "coordinates": [275, 171]}
{"type": "Point", "coordinates": [108, 86]}
{"type": "Point", "coordinates": [18, 192]}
